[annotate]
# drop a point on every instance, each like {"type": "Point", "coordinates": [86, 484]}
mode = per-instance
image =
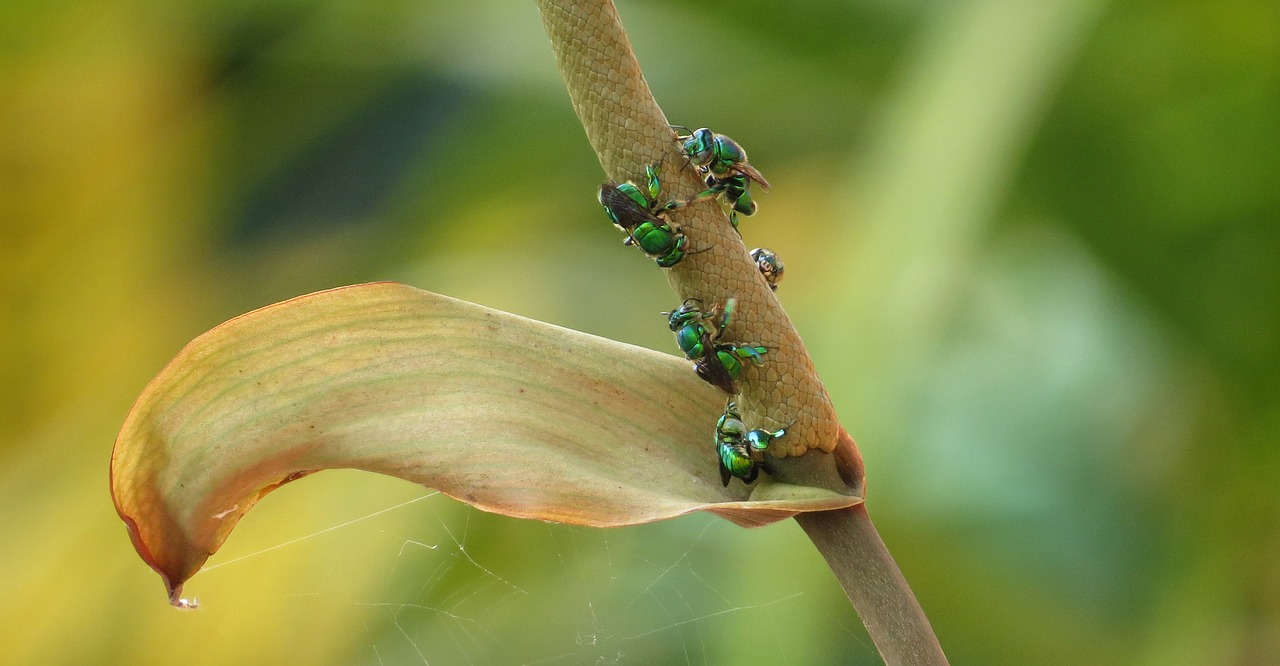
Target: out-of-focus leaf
{"type": "Point", "coordinates": [507, 414]}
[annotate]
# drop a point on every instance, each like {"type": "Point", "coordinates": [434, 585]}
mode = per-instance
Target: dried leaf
{"type": "Point", "coordinates": [508, 414]}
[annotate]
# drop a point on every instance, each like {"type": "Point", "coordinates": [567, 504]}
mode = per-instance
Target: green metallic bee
{"type": "Point", "coordinates": [731, 446]}
{"type": "Point", "coordinates": [717, 153]}
{"type": "Point", "coordinates": [769, 264]}
{"type": "Point", "coordinates": [696, 330]}
{"type": "Point", "coordinates": [741, 451]}
{"type": "Point", "coordinates": [637, 212]}
{"type": "Point", "coordinates": [723, 165]}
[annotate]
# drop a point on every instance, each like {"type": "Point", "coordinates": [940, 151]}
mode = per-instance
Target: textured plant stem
{"type": "Point", "coordinates": [853, 549]}
{"type": "Point", "coordinates": [628, 130]}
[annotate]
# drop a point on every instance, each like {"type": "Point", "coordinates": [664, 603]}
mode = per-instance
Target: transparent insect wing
{"type": "Point", "coordinates": [752, 173]}
{"type": "Point", "coordinates": [605, 197]}
{"type": "Point", "coordinates": [633, 218]}
{"type": "Point", "coordinates": [710, 368]}
{"type": "Point", "coordinates": [622, 208]}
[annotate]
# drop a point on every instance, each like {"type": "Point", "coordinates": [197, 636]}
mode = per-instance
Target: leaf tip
{"type": "Point", "coordinates": [173, 576]}
{"type": "Point", "coordinates": [181, 603]}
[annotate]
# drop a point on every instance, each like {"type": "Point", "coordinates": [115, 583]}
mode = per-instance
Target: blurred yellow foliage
{"type": "Point", "coordinates": [1033, 247]}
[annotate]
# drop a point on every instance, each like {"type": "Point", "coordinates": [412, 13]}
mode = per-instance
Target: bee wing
{"type": "Point", "coordinates": [752, 173]}
{"type": "Point", "coordinates": [623, 210]}
{"type": "Point", "coordinates": [615, 203]}
{"type": "Point", "coordinates": [712, 371]}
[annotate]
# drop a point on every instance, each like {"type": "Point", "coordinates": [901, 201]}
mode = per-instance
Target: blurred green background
{"type": "Point", "coordinates": [1034, 248]}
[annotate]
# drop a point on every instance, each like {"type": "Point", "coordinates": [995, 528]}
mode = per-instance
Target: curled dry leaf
{"type": "Point", "coordinates": [508, 414]}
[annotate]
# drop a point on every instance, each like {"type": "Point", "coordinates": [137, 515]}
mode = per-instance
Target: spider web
{"type": "Point", "coordinates": [450, 584]}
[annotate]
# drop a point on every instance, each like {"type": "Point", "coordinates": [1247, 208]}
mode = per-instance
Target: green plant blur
{"type": "Point", "coordinates": [1034, 248]}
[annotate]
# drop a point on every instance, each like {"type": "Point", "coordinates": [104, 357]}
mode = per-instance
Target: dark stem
{"type": "Point", "coordinates": [861, 562]}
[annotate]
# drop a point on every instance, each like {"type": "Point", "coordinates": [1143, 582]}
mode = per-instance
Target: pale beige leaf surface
{"type": "Point", "coordinates": [508, 414]}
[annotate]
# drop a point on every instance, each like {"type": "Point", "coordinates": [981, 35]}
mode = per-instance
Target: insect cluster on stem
{"type": "Point", "coordinates": [639, 211]}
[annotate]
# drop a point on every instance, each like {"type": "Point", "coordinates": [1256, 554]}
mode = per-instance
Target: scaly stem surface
{"type": "Point", "coordinates": [628, 130]}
